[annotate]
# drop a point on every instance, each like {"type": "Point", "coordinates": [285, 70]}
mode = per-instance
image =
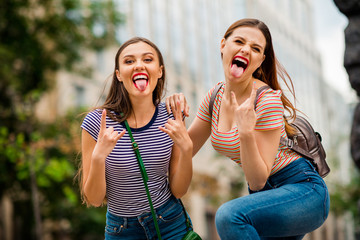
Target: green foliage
{"type": "Point", "coordinates": [53, 152]}
{"type": "Point", "coordinates": [37, 39]}
{"type": "Point", "coordinates": [347, 198]}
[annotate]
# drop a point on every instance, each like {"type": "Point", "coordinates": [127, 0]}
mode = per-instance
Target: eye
{"type": "Point", "coordinates": [148, 60]}
{"type": "Point", "coordinates": [256, 49]}
{"type": "Point", "coordinates": [128, 61]}
{"type": "Point", "coordinates": [239, 41]}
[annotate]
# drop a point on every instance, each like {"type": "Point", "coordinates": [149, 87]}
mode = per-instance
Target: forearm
{"type": "Point", "coordinates": [199, 131]}
{"type": "Point", "coordinates": [253, 164]}
{"type": "Point", "coordinates": [95, 184]}
{"type": "Point", "coordinates": [181, 177]}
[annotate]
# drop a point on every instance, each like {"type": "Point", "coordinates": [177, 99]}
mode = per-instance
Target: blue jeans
{"type": "Point", "coordinates": [294, 201]}
{"type": "Point", "coordinates": [170, 217]}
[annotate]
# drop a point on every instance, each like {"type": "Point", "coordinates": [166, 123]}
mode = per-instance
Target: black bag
{"type": "Point", "coordinates": [305, 142]}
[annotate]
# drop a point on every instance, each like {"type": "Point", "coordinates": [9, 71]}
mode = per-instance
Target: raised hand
{"type": "Point", "coordinates": [176, 129]}
{"type": "Point", "coordinates": [107, 138]}
{"type": "Point", "coordinates": [245, 116]}
{"type": "Point", "coordinates": [173, 99]}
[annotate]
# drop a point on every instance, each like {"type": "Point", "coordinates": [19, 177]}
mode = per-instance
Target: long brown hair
{"type": "Point", "coordinates": [118, 99]}
{"type": "Point", "coordinates": [271, 68]}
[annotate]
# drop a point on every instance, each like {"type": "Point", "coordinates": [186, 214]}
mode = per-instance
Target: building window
{"type": "Point", "coordinates": [79, 96]}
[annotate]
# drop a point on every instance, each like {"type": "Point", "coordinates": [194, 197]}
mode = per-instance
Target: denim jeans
{"type": "Point", "coordinates": [294, 201]}
{"type": "Point", "coordinates": [170, 217]}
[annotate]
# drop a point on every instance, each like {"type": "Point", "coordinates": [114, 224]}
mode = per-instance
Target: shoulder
{"type": "Point", "coordinates": [93, 116]}
{"type": "Point", "coordinates": [162, 111]}
{"type": "Point", "coordinates": [218, 86]}
{"type": "Point", "coordinates": [269, 95]}
{"type": "Point", "coordinates": [269, 102]}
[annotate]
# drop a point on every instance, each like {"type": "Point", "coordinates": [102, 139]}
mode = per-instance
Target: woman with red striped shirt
{"type": "Point", "coordinates": [288, 198]}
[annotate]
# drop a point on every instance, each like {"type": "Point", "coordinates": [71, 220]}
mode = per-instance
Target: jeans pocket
{"type": "Point", "coordinates": [114, 227]}
{"type": "Point", "coordinates": [174, 212]}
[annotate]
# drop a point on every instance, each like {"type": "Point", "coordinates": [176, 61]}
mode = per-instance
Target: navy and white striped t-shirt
{"type": "Point", "coordinates": [125, 189]}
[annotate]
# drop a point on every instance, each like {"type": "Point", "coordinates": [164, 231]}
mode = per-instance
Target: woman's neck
{"type": "Point", "coordinates": [241, 89]}
{"type": "Point", "coordinates": [142, 112]}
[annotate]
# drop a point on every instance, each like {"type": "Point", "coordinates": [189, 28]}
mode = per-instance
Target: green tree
{"type": "Point", "coordinates": [37, 39]}
{"type": "Point", "coordinates": [346, 198]}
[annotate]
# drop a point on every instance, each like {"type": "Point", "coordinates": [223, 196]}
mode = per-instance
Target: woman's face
{"type": "Point", "coordinates": [242, 52]}
{"type": "Point", "coordinates": [139, 69]}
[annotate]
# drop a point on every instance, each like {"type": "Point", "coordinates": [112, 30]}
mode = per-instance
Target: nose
{"type": "Point", "coordinates": [139, 65]}
{"type": "Point", "coordinates": [245, 49]}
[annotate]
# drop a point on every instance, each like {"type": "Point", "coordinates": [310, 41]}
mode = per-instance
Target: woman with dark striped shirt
{"type": "Point", "coordinates": [110, 169]}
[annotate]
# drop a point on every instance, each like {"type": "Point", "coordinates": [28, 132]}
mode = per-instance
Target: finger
{"type": "Point", "coordinates": [182, 102]}
{"type": "Point", "coordinates": [172, 101]}
{"type": "Point", "coordinates": [177, 111]}
{"type": "Point", "coordinates": [164, 130]}
{"type": "Point", "coordinates": [114, 135]}
{"type": "Point", "coordinates": [187, 111]}
{"type": "Point", "coordinates": [103, 122]}
{"type": "Point", "coordinates": [233, 100]}
{"type": "Point", "coordinates": [120, 135]}
{"type": "Point", "coordinates": [253, 94]}
{"type": "Point", "coordinates": [167, 104]}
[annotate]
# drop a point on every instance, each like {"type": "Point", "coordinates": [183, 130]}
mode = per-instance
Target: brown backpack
{"type": "Point", "coordinates": [305, 142]}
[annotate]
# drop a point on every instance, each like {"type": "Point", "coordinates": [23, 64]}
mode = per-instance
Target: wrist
{"type": "Point", "coordinates": [246, 135]}
{"type": "Point", "coordinates": [98, 158]}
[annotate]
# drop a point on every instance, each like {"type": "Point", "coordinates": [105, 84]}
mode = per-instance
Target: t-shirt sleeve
{"type": "Point", "coordinates": [269, 110]}
{"type": "Point", "coordinates": [203, 111]}
{"type": "Point", "coordinates": [91, 123]}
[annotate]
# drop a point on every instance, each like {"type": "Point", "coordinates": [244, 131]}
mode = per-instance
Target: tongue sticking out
{"type": "Point", "coordinates": [141, 84]}
{"type": "Point", "coordinates": [236, 71]}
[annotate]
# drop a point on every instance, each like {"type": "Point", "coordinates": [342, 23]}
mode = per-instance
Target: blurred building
{"type": "Point", "coordinates": [188, 33]}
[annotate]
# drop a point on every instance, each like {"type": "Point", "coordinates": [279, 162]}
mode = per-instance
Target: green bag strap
{"type": "Point", "coordinates": [188, 224]}
{"type": "Point", "coordinates": [144, 177]}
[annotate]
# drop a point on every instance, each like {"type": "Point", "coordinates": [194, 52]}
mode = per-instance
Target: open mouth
{"type": "Point", "coordinates": [140, 80]}
{"type": "Point", "coordinates": [238, 66]}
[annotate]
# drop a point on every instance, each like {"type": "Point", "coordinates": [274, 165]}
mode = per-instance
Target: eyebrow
{"type": "Point", "coordinates": [254, 44]}
{"type": "Point", "coordinates": [147, 53]}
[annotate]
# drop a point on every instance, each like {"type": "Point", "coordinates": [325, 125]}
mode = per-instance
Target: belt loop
{"type": "Point", "coordinates": [125, 222]}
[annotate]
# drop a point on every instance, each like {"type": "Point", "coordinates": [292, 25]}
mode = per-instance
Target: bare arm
{"type": "Point", "coordinates": [258, 152]}
{"type": "Point", "coordinates": [93, 161]}
{"type": "Point", "coordinates": [180, 169]}
{"type": "Point", "coordinates": [258, 148]}
{"type": "Point", "coordinates": [199, 130]}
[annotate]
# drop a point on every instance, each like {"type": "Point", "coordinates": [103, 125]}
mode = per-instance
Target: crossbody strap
{"type": "Point", "coordinates": [144, 177]}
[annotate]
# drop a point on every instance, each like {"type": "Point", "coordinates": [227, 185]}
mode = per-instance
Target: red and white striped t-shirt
{"type": "Point", "coordinates": [269, 112]}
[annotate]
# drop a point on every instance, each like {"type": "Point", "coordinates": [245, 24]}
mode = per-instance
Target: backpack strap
{"type": "Point", "coordinates": [212, 98]}
{"type": "Point", "coordinates": [290, 143]}
{"type": "Point", "coordinates": [258, 91]}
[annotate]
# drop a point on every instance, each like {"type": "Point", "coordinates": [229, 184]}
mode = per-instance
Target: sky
{"type": "Point", "coordinates": [329, 30]}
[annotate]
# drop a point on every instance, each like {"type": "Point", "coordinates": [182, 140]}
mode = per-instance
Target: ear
{"type": "Point", "coordinates": [222, 44]}
{"type": "Point", "coordinates": [118, 75]}
{"type": "Point", "coordinates": [261, 61]}
{"type": "Point", "coordinates": [161, 71]}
